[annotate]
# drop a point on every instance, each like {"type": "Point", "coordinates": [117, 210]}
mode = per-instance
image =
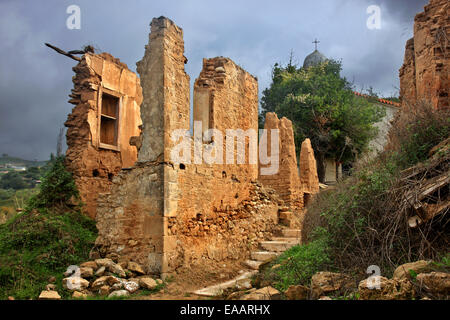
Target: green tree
{"type": "Point", "coordinates": [33, 173]}
{"type": "Point", "coordinates": [12, 180]}
{"type": "Point", "coordinates": [321, 105]}
{"type": "Point", "coordinates": [57, 186]}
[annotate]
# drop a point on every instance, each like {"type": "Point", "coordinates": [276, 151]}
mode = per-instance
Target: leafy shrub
{"type": "Point", "coordinates": [366, 215]}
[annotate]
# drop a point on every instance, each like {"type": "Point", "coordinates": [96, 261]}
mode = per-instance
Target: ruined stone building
{"type": "Point", "coordinates": [166, 214]}
{"type": "Point", "coordinates": [426, 68]}
{"type": "Point", "coordinates": [107, 98]}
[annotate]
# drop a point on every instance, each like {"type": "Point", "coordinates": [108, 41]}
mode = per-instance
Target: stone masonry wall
{"type": "Point", "coordinates": [308, 169]}
{"type": "Point", "coordinates": [213, 220]}
{"type": "Point", "coordinates": [172, 216]}
{"type": "Point", "coordinates": [426, 68]}
{"type": "Point", "coordinates": [286, 182]}
{"type": "Point", "coordinates": [144, 191]}
{"type": "Point", "coordinates": [92, 164]}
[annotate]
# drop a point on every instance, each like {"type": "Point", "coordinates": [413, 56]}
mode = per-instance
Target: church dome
{"type": "Point", "coordinates": [314, 59]}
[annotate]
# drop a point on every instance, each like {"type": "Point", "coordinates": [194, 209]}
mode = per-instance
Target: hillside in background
{"type": "Point", "coordinates": [19, 162]}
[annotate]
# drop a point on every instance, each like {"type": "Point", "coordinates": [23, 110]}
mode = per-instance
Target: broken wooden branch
{"type": "Point", "coordinates": [64, 53]}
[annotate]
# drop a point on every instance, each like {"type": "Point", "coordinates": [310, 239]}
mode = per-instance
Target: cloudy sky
{"type": "Point", "coordinates": [35, 81]}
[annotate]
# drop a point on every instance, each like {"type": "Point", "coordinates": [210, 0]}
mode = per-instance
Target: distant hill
{"type": "Point", "coordinates": [15, 161]}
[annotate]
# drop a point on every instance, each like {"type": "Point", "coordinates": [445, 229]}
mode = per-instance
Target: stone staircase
{"type": "Point", "coordinates": [268, 250]}
{"type": "Point", "coordinates": [273, 248]}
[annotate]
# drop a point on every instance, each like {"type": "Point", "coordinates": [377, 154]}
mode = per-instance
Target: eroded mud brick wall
{"type": "Point", "coordinates": [426, 68]}
{"type": "Point", "coordinates": [167, 215]}
{"type": "Point", "coordinates": [286, 182]}
{"type": "Point", "coordinates": [107, 96]}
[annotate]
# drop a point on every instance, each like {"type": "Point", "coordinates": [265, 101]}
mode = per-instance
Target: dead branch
{"type": "Point", "coordinates": [64, 53]}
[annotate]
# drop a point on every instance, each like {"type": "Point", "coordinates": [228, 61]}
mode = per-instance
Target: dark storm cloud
{"type": "Point", "coordinates": [403, 10]}
{"type": "Point", "coordinates": [35, 81]}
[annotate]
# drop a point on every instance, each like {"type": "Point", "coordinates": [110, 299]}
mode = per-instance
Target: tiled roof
{"type": "Point", "coordinates": [384, 101]}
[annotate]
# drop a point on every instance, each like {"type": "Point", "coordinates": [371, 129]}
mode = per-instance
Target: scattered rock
{"type": "Point", "coordinates": [381, 288]}
{"type": "Point", "coordinates": [131, 286]}
{"type": "Point", "coordinates": [50, 287]}
{"type": "Point", "coordinates": [78, 295]}
{"type": "Point", "coordinates": [89, 264]}
{"type": "Point", "coordinates": [148, 283]}
{"type": "Point", "coordinates": [75, 283]}
{"type": "Point", "coordinates": [298, 292]}
{"type": "Point", "coordinates": [435, 282]}
{"type": "Point", "coordinates": [328, 282]}
{"type": "Point", "coordinates": [119, 293]}
{"type": "Point", "coordinates": [235, 295]}
{"type": "Point", "coordinates": [402, 272]}
{"type": "Point", "coordinates": [104, 290]}
{"type": "Point", "coordinates": [117, 286]}
{"type": "Point", "coordinates": [100, 272]}
{"type": "Point", "coordinates": [266, 293]}
{"type": "Point", "coordinates": [86, 272]}
{"type": "Point", "coordinates": [117, 269]}
{"type": "Point", "coordinates": [105, 280]}
{"type": "Point", "coordinates": [104, 262]}
{"type": "Point", "coordinates": [135, 267]}
{"type": "Point", "coordinates": [49, 295]}
{"type": "Point", "coordinates": [243, 284]}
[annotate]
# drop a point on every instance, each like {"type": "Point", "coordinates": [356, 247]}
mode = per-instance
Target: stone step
{"type": "Point", "coordinates": [291, 233]}
{"type": "Point", "coordinates": [263, 255]}
{"type": "Point", "coordinates": [276, 246]}
{"type": "Point", "coordinates": [240, 282]}
{"type": "Point", "coordinates": [253, 264]}
{"type": "Point", "coordinates": [287, 239]}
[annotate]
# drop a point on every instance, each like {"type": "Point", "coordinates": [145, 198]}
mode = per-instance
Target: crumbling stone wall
{"type": "Point", "coordinates": [92, 162]}
{"type": "Point", "coordinates": [146, 201]}
{"type": "Point", "coordinates": [426, 68]}
{"type": "Point", "coordinates": [215, 217]}
{"type": "Point", "coordinates": [286, 182]}
{"type": "Point", "coordinates": [168, 215]}
{"type": "Point", "coordinates": [308, 170]}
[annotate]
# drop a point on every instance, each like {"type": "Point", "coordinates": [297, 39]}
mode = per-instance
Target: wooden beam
{"type": "Point", "coordinates": [64, 53]}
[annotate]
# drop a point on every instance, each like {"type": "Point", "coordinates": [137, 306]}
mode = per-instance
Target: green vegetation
{"type": "Point", "coordinates": [363, 220]}
{"type": "Point", "coordinates": [48, 236]}
{"type": "Point", "coordinates": [322, 107]}
{"type": "Point", "coordinates": [298, 264]}
{"type": "Point", "coordinates": [16, 198]}
{"type": "Point", "coordinates": [18, 180]}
